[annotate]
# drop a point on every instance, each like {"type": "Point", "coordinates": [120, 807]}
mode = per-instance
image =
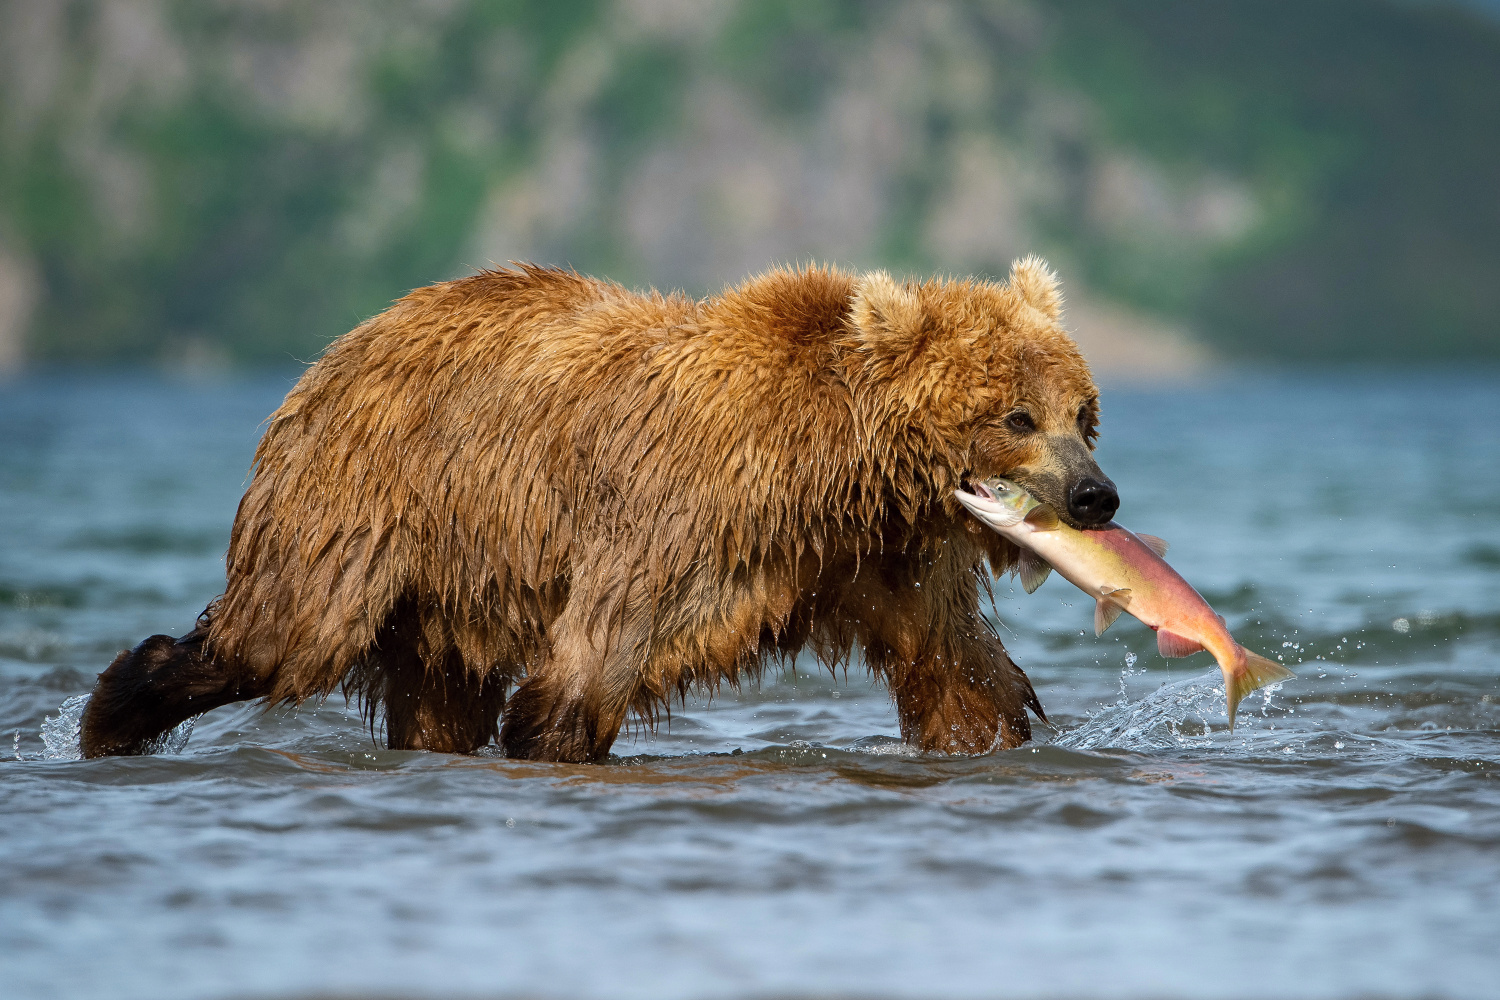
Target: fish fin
{"type": "Point", "coordinates": [1043, 518]}
{"type": "Point", "coordinates": [1172, 645]}
{"type": "Point", "coordinates": [1221, 620]}
{"type": "Point", "coordinates": [1157, 545]}
{"type": "Point", "coordinates": [1108, 608]}
{"type": "Point", "coordinates": [1032, 569]}
{"type": "Point", "coordinates": [1257, 673]}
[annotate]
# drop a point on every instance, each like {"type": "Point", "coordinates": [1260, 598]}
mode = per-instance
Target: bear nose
{"type": "Point", "coordinates": [1092, 501]}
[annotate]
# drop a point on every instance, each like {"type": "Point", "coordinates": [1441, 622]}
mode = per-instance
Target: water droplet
{"type": "Point", "coordinates": [1130, 659]}
{"type": "Point", "coordinates": [510, 823]}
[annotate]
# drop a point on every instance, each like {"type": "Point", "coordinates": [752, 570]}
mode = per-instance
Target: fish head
{"type": "Point", "coordinates": [1040, 436]}
{"type": "Point", "coordinates": [997, 502]}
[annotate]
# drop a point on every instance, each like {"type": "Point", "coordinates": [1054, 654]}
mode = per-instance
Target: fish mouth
{"type": "Point", "coordinates": [989, 505]}
{"type": "Point", "coordinates": [976, 487]}
{"type": "Point", "coordinates": [1038, 488]}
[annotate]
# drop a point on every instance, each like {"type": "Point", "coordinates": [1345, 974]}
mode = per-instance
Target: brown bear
{"type": "Point", "coordinates": [607, 499]}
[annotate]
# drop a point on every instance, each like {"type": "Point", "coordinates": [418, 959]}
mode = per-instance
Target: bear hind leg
{"type": "Point", "coordinates": [162, 682]}
{"type": "Point", "coordinates": [430, 697]}
{"type": "Point", "coordinates": [442, 707]}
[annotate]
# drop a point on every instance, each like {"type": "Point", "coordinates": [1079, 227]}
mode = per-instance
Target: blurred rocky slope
{"type": "Point", "coordinates": [199, 181]}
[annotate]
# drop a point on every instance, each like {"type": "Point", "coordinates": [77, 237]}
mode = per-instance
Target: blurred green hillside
{"type": "Point", "coordinates": [211, 179]}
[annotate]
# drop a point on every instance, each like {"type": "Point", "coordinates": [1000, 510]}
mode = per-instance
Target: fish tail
{"type": "Point", "coordinates": [1252, 672]}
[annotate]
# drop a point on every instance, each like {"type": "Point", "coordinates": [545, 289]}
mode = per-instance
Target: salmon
{"type": "Point", "coordinates": [1122, 571]}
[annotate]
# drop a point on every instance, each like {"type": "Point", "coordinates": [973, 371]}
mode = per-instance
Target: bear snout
{"type": "Point", "coordinates": [1093, 501]}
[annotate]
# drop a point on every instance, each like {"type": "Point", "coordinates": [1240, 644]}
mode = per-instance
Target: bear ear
{"type": "Point", "coordinates": [887, 316]}
{"type": "Point", "coordinates": [1034, 282]}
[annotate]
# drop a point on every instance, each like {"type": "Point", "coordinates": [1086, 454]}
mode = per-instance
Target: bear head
{"type": "Point", "coordinates": [974, 379]}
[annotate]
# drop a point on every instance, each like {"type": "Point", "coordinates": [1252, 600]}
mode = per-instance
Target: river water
{"type": "Point", "coordinates": [1343, 841]}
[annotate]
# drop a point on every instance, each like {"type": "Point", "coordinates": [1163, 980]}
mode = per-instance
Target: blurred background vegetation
{"type": "Point", "coordinates": [196, 182]}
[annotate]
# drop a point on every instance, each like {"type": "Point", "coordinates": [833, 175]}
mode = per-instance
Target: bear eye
{"type": "Point", "coordinates": [1021, 422]}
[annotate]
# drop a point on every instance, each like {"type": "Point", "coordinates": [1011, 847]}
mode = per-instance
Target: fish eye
{"type": "Point", "coordinates": [1021, 422]}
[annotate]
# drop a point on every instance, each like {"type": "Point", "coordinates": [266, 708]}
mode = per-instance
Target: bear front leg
{"type": "Point", "coordinates": [571, 707]}
{"type": "Point", "coordinates": [963, 697]}
{"type": "Point", "coordinates": [559, 721]}
{"type": "Point", "coordinates": [955, 687]}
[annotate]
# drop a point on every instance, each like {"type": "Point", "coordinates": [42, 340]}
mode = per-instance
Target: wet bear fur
{"type": "Point", "coordinates": [532, 480]}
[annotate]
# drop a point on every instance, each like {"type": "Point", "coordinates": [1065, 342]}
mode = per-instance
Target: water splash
{"type": "Point", "coordinates": [1173, 716]}
{"type": "Point", "coordinates": [174, 740]}
{"type": "Point", "coordinates": [60, 733]}
{"type": "Point", "coordinates": [892, 746]}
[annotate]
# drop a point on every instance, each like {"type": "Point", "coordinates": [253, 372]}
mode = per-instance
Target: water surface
{"type": "Point", "coordinates": [1344, 841]}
